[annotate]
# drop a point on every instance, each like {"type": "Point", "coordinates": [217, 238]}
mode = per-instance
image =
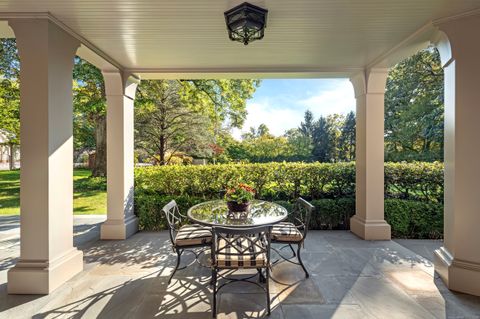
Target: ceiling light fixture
{"type": "Point", "coordinates": [246, 23]}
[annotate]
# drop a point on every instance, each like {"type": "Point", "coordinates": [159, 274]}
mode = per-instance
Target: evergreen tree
{"type": "Point", "coordinates": [323, 147]}
{"type": "Point", "coordinates": [308, 126]}
{"type": "Point", "coordinates": [347, 138]}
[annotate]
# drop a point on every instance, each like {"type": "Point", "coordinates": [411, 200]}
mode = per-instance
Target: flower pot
{"type": "Point", "coordinates": [238, 207]}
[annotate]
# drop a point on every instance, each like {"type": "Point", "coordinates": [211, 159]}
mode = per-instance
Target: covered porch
{"type": "Point", "coordinates": [304, 39]}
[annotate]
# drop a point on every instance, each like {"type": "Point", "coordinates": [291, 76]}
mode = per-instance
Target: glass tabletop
{"type": "Point", "coordinates": [216, 213]}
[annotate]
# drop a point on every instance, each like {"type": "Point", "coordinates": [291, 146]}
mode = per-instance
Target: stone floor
{"type": "Point", "coordinates": [350, 278]}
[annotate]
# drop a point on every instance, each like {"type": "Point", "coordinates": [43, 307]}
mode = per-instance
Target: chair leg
{"type": "Point", "coordinates": [301, 262]}
{"type": "Point", "coordinates": [214, 282]}
{"type": "Point", "coordinates": [261, 278]}
{"type": "Point", "coordinates": [179, 254]}
{"type": "Point", "coordinates": [293, 251]}
{"type": "Point", "coordinates": [267, 281]}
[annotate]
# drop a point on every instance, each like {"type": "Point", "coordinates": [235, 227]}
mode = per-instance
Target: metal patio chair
{"type": "Point", "coordinates": [187, 237]}
{"type": "Point", "coordinates": [289, 233]}
{"type": "Point", "coordinates": [241, 248]}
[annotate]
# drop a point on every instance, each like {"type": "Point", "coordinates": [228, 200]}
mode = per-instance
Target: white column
{"type": "Point", "coordinates": [47, 256]}
{"type": "Point", "coordinates": [368, 222]}
{"type": "Point", "coordinates": [121, 221]}
{"type": "Point", "coordinates": [458, 261]}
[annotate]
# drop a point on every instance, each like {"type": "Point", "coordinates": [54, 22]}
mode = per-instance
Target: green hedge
{"type": "Point", "coordinates": [329, 213]}
{"type": "Point", "coordinates": [414, 219]}
{"type": "Point", "coordinates": [413, 191]}
{"type": "Point", "coordinates": [284, 181]}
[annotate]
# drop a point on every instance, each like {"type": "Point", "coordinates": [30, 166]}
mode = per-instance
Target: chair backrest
{"type": "Point", "coordinates": [174, 218]}
{"type": "Point", "coordinates": [302, 213]}
{"type": "Point", "coordinates": [256, 241]}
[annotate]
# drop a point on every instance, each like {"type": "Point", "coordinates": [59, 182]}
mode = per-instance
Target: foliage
{"type": "Point", "coordinates": [191, 114]}
{"type": "Point", "coordinates": [414, 109]}
{"type": "Point", "coordinates": [10, 111]}
{"type": "Point", "coordinates": [346, 147]}
{"type": "Point", "coordinates": [9, 92]}
{"type": "Point", "coordinates": [89, 113]}
{"type": "Point", "coordinates": [287, 181]}
{"type": "Point", "coordinates": [164, 126]}
{"type": "Point", "coordinates": [413, 204]}
{"type": "Point", "coordinates": [9, 62]}
{"type": "Point", "coordinates": [221, 100]}
{"type": "Point", "coordinates": [414, 219]}
{"type": "Point", "coordinates": [408, 218]}
{"type": "Point", "coordinates": [418, 180]}
{"type": "Point", "coordinates": [413, 191]}
{"type": "Point", "coordinates": [240, 193]}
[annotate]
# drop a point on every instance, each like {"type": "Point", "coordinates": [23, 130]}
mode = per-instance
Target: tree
{"type": "Point", "coordinates": [301, 145]}
{"type": "Point", "coordinates": [164, 125]}
{"type": "Point", "coordinates": [89, 107]}
{"type": "Point", "coordinates": [308, 126]}
{"type": "Point", "coordinates": [347, 138]}
{"type": "Point", "coordinates": [221, 100]}
{"type": "Point", "coordinates": [323, 146]}
{"type": "Point", "coordinates": [414, 108]}
{"type": "Point", "coordinates": [10, 117]}
{"type": "Point", "coordinates": [335, 124]}
{"type": "Point", "coordinates": [9, 97]}
{"type": "Point", "coordinates": [254, 133]}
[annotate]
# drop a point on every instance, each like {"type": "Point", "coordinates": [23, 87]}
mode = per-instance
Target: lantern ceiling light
{"type": "Point", "coordinates": [246, 23]}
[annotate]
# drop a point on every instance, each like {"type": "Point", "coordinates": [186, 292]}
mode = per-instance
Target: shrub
{"type": "Point", "coordinates": [418, 180]}
{"type": "Point", "coordinates": [413, 191]}
{"type": "Point", "coordinates": [414, 219]}
{"type": "Point", "coordinates": [332, 213]}
{"type": "Point", "coordinates": [148, 208]}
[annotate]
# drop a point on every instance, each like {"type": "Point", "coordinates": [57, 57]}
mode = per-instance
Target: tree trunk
{"type": "Point", "coordinates": [12, 156]}
{"type": "Point", "coordinates": [100, 165]}
{"type": "Point", "coordinates": [162, 150]}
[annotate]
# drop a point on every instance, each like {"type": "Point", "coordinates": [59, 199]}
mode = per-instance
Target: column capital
{"type": "Point", "coordinates": [456, 36]}
{"type": "Point", "coordinates": [34, 32]}
{"type": "Point", "coordinates": [369, 81]}
{"type": "Point", "coordinates": [120, 83]}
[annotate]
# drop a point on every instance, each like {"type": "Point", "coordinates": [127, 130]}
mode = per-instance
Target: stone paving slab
{"type": "Point", "coordinates": [350, 278]}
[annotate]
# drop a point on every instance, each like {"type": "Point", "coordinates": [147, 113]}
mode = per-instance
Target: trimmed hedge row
{"type": "Point", "coordinates": [329, 213]}
{"type": "Point", "coordinates": [284, 181]}
{"type": "Point", "coordinates": [413, 191]}
{"type": "Point", "coordinates": [408, 218]}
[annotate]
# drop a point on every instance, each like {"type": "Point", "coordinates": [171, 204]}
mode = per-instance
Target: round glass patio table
{"type": "Point", "coordinates": [216, 213]}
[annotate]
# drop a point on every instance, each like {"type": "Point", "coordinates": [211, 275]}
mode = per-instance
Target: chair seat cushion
{"type": "Point", "coordinates": [194, 234]}
{"type": "Point", "coordinates": [241, 253]}
{"type": "Point", "coordinates": [286, 232]}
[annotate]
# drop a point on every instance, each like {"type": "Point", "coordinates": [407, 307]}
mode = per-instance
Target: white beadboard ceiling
{"type": "Point", "coordinates": [189, 36]}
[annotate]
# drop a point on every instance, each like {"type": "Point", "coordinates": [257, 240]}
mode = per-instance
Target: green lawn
{"type": "Point", "coordinates": [89, 196]}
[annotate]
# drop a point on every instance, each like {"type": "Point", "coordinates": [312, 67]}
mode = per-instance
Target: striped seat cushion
{"type": "Point", "coordinates": [286, 232]}
{"type": "Point", "coordinates": [193, 235]}
{"type": "Point", "coordinates": [241, 254]}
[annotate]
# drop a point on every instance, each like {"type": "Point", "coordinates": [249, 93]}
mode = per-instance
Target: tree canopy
{"type": "Point", "coordinates": [414, 110]}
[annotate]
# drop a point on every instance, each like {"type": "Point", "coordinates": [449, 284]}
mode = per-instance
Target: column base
{"type": "Point", "coordinates": [42, 277]}
{"type": "Point", "coordinates": [370, 229]}
{"type": "Point", "coordinates": [118, 229]}
{"type": "Point", "coordinates": [458, 275]}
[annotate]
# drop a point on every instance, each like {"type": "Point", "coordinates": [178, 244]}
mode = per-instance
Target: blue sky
{"type": "Point", "coordinates": [281, 103]}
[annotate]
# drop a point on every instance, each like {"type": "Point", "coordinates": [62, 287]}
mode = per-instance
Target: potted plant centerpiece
{"type": "Point", "coordinates": [238, 198]}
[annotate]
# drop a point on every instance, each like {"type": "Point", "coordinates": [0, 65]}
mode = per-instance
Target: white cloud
{"type": "Point", "coordinates": [277, 119]}
{"type": "Point", "coordinates": [337, 97]}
